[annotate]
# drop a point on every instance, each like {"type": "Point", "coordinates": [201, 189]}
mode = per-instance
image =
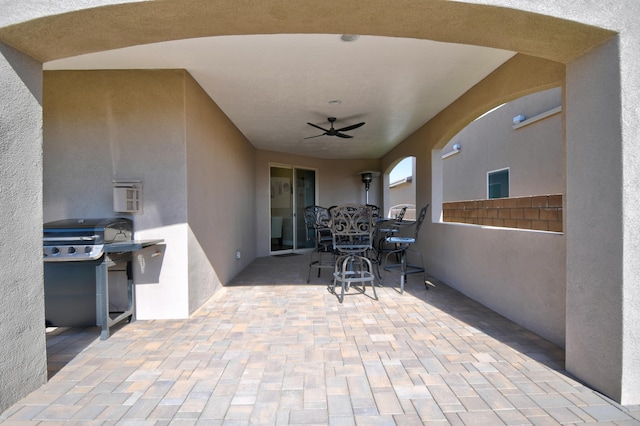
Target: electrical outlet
{"type": "Point", "coordinates": [238, 255]}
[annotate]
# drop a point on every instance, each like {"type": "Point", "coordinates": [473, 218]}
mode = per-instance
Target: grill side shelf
{"type": "Point", "coordinates": [116, 253]}
{"type": "Point", "coordinates": [130, 246]}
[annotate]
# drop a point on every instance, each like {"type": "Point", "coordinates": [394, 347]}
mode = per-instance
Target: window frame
{"type": "Point", "coordinates": [493, 172]}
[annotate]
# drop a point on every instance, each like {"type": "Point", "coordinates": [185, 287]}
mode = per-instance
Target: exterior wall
{"type": "Point", "coordinates": [162, 128]}
{"type": "Point", "coordinates": [105, 125]}
{"type": "Point", "coordinates": [604, 289]}
{"type": "Point", "coordinates": [518, 273]}
{"type": "Point", "coordinates": [220, 196]}
{"type": "Point", "coordinates": [23, 363]}
{"type": "Point", "coordinates": [338, 182]}
{"type": "Point", "coordinates": [534, 153]}
{"type": "Point", "coordinates": [398, 194]}
{"type": "Point", "coordinates": [403, 194]}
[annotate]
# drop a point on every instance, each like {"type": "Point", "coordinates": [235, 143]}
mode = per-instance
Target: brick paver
{"type": "Point", "coordinates": [273, 350]}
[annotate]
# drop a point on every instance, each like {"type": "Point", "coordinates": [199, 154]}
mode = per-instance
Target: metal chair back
{"type": "Point", "coordinates": [400, 215]}
{"type": "Point", "coordinates": [420, 219]}
{"type": "Point", "coordinates": [352, 228]}
{"type": "Point", "coordinates": [375, 211]}
{"type": "Point", "coordinates": [316, 219]}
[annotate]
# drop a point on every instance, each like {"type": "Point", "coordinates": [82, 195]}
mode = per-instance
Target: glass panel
{"type": "Point", "coordinates": [305, 196]}
{"type": "Point", "coordinates": [281, 209]}
{"type": "Point", "coordinates": [499, 184]}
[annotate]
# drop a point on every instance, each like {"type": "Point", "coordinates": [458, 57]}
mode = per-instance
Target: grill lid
{"type": "Point", "coordinates": [83, 239]}
{"type": "Point", "coordinates": [87, 231]}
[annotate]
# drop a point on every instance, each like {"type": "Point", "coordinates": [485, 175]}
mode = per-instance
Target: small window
{"type": "Point", "coordinates": [498, 183]}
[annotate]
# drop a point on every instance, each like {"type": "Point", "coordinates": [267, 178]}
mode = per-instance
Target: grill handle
{"type": "Point", "coordinates": [91, 238]}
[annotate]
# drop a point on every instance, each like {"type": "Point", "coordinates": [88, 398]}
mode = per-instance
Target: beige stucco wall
{"type": "Point", "coordinates": [403, 194]}
{"type": "Point", "coordinates": [220, 196]}
{"type": "Point", "coordinates": [534, 153]}
{"type": "Point", "coordinates": [604, 289]}
{"type": "Point", "coordinates": [338, 182]}
{"type": "Point", "coordinates": [23, 362]}
{"type": "Point", "coordinates": [160, 127]}
{"type": "Point", "coordinates": [106, 125]}
{"type": "Point", "coordinates": [610, 361]}
{"type": "Point", "coordinates": [492, 266]}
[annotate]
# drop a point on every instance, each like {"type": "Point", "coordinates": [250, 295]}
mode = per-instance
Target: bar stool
{"type": "Point", "coordinates": [317, 222]}
{"type": "Point", "coordinates": [352, 228]}
{"type": "Point", "coordinates": [403, 245]}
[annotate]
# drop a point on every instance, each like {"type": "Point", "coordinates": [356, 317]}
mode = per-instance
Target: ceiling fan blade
{"type": "Point", "coordinates": [342, 135]}
{"type": "Point", "coordinates": [353, 126]}
{"type": "Point", "coordinates": [318, 127]}
{"type": "Point", "coordinates": [317, 136]}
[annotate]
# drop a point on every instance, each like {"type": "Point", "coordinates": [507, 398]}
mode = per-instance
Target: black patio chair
{"type": "Point", "coordinates": [403, 245]}
{"type": "Point", "coordinates": [352, 231]}
{"type": "Point", "coordinates": [316, 219]}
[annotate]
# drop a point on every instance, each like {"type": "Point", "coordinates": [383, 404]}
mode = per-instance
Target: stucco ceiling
{"type": "Point", "coordinates": [270, 86]}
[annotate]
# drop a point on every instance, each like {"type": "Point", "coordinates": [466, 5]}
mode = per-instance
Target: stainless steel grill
{"type": "Point", "coordinates": [87, 272]}
{"type": "Point", "coordinates": [73, 240]}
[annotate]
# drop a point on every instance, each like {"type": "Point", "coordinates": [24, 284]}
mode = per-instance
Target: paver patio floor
{"type": "Point", "coordinates": [271, 349]}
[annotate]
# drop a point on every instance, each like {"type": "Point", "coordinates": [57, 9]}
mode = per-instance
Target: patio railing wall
{"type": "Point", "coordinates": [538, 212]}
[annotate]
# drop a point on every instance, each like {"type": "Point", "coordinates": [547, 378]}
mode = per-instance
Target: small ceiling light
{"type": "Point", "coordinates": [349, 37]}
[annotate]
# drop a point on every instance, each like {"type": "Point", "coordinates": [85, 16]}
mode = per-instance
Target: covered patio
{"type": "Point", "coordinates": [69, 135]}
{"type": "Point", "coordinates": [271, 349]}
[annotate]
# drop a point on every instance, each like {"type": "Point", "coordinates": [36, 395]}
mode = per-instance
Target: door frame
{"type": "Point", "coordinates": [294, 216]}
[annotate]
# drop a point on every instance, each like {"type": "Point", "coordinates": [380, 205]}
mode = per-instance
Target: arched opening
{"type": "Point", "coordinates": [402, 189]}
{"type": "Point", "coordinates": [506, 168]}
{"type": "Point", "coordinates": [66, 35]}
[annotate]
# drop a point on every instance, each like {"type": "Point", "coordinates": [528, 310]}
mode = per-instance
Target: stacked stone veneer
{"type": "Point", "coordinates": [539, 212]}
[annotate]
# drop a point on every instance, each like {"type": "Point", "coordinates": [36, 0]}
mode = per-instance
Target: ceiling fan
{"type": "Point", "coordinates": [335, 132]}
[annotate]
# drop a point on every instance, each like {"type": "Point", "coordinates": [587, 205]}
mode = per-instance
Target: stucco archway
{"type": "Point", "coordinates": [109, 27]}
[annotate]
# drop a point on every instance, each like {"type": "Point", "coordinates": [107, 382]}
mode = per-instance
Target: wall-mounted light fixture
{"type": "Point", "coordinates": [349, 37]}
{"type": "Point", "coordinates": [519, 118]}
{"type": "Point", "coordinates": [456, 149]}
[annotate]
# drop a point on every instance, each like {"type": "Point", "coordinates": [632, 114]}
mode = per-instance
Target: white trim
{"type": "Point", "coordinates": [450, 153]}
{"type": "Point", "coordinates": [538, 117]}
{"type": "Point", "coordinates": [501, 228]}
{"type": "Point", "coordinates": [407, 179]}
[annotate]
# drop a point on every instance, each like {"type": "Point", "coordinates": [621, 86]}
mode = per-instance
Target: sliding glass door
{"type": "Point", "coordinates": [292, 189]}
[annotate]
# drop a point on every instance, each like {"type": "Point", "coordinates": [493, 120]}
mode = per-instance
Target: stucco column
{"type": "Point", "coordinates": [602, 222]}
{"type": "Point", "coordinates": [23, 364]}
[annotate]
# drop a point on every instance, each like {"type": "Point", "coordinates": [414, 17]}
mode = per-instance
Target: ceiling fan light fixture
{"type": "Point", "coordinates": [349, 37]}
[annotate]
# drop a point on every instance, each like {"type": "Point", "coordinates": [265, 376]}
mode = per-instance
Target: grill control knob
{"type": "Point", "coordinates": [87, 250]}
{"type": "Point", "coordinates": [55, 250]}
{"type": "Point", "coordinates": [71, 250]}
